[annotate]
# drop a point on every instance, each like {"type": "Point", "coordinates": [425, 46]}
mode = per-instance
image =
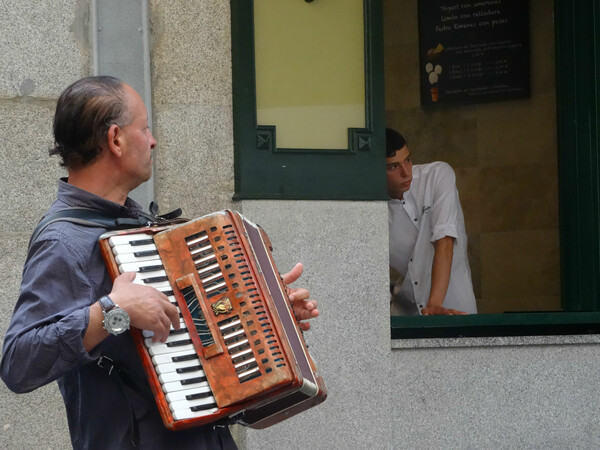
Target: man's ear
{"type": "Point", "coordinates": [114, 140]}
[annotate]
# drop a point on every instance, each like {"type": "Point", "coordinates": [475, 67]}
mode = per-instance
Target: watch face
{"type": "Point", "coordinates": [116, 321]}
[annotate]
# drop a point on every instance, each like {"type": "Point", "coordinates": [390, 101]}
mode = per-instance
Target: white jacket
{"type": "Point", "coordinates": [432, 207]}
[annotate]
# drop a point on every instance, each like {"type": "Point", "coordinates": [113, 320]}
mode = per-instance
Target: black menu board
{"type": "Point", "coordinates": [473, 51]}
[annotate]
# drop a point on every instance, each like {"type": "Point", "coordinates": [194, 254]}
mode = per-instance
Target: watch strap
{"type": "Point", "coordinates": [106, 303]}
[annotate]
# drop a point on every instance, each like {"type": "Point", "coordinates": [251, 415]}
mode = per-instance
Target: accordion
{"type": "Point", "coordinates": [239, 355]}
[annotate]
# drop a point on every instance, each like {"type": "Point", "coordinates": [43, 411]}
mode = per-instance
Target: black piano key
{"type": "Point", "coordinates": [202, 407]}
{"type": "Point", "coordinates": [184, 357]}
{"type": "Point", "coordinates": [180, 331]}
{"type": "Point", "coordinates": [145, 253]}
{"type": "Point", "coordinates": [142, 242]}
{"type": "Point", "coordinates": [155, 279]}
{"type": "Point", "coordinates": [193, 381]}
{"type": "Point", "coordinates": [188, 369]}
{"type": "Point", "coordinates": [198, 395]}
{"type": "Point", "coordinates": [179, 343]}
{"type": "Point", "coordinates": [151, 268]}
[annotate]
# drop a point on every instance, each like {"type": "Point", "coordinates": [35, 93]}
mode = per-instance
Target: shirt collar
{"type": "Point", "coordinates": [76, 197]}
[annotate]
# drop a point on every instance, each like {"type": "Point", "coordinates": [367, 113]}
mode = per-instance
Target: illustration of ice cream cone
{"type": "Point", "coordinates": [434, 73]}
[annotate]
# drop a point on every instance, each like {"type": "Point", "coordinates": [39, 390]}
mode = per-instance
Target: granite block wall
{"type": "Point", "coordinates": [496, 393]}
{"type": "Point", "coordinates": [43, 47]}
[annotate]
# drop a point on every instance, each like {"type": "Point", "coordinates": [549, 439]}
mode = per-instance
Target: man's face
{"type": "Point", "coordinates": [138, 139]}
{"type": "Point", "coordinates": [399, 173]}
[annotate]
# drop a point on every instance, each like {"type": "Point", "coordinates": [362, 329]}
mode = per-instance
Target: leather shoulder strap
{"type": "Point", "coordinates": [86, 217]}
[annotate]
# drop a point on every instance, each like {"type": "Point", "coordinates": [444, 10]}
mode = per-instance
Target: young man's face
{"type": "Point", "coordinates": [399, 173]}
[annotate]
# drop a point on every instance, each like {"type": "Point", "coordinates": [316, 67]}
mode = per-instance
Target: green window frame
{"type": "Point", "coordinates": [264, 171]}
{"type": "Point", "coordinates": [323, 174]}
{"type": "Point", "coordinates": [577, 31]}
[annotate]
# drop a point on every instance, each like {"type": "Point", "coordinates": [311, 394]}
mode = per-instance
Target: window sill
{"type": "Point", "coordinates": [500, 327]}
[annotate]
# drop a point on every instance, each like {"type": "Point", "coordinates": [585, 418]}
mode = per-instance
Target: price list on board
{"type": "Point", "coordinates": [473, 51]}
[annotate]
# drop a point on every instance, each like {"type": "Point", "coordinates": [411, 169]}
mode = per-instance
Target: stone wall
{"type": "Point", "coordinates": [44, 47]}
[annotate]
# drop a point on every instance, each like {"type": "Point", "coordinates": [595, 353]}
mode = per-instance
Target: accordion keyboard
{"type": "Point", "coordinates": [175, 361]}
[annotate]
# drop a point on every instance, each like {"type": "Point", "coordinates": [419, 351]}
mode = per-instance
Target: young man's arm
{"type": "Point", "coordinates": [440, 278]}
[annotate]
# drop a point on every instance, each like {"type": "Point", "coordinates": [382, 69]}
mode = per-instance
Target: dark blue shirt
{"type": "Point", "coordinates": [64, 275]}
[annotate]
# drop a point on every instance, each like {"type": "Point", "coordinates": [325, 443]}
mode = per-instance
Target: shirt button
{"type": "Point", "coordinates": [415, 219]}
{"type": "Point", "coordinates": [416, 282]}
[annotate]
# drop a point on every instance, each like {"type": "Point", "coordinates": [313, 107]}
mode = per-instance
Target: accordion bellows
{"type": "Point", "coordinates": [239, 355]}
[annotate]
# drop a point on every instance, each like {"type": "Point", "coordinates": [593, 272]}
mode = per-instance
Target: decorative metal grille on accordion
{"type": "Point", "coordinates": [239, 354]}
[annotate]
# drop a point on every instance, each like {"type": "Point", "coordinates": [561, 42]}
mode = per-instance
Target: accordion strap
{"type": "Point", "coordinates": [126, 376]}
{"type": "Point", "coordinates": [86, 217]}
{"type": "Point", "coordinates": [92, 218]}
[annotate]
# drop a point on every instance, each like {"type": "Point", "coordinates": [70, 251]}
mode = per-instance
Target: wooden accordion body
{"type": "Point", "coordinates": [240, 355]}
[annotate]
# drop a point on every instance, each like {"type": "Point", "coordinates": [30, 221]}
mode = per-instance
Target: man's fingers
{"type": "Point", "coordinates": [173, 315]}
{"type": "Point", "coordinates": [304, 326]}
{"type": "Point", "coordinates": [299, 294]}
{"type": "Point", "coordinates": [292, 275]}
{"type": "Point", "coordinates": [126, 277]}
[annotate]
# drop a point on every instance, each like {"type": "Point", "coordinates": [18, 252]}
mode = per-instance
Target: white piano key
{"type": "Point", "coordinates": [176, 337]}
{"type": "Point", "coordinates": [126, 239]}
{"type": "Point", "coordinates": [174, 366]}
{"type": "Point", "coordinates": [154, 273]}
{"type": "Point", "coordinates": [163, 348]}
{"type": "Point", "coordinates": [180, 385]}
{"type": "Point", "coordinates": [182, 326]}
{"type": "Point", "coordinates": [185, 394]}
{"type": "Point", "coordinates": [160, 285]}
{"type": "Point", "coordinates": [186, 405]}
{"type": "Point", "coordinates": [123, 249]}
{"type": "Point", "coordinates": [130, 258]}
{"type": "Point", "coordinates": [174, 377]}
{"type": "Point", "coordinates": [182, 415]}
{"type": "Point", "coordinates": [136, 266]}
{"type": "Point", "coordinates": [168, 357]}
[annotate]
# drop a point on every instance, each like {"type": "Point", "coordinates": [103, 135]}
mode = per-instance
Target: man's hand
{"type": "Point", "coordinates": [304, 308]}
{"type": "Point", "coordinates": [441, 311]}
{"type": "Point", "coordinates": [148, 308]}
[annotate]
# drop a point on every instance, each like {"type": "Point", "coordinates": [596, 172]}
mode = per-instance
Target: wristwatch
{"type": "Point", "coordinates": [116, 320]}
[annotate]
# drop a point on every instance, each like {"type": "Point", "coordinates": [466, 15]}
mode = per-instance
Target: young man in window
{"type": "Point", "coordinates": [428, 242]}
